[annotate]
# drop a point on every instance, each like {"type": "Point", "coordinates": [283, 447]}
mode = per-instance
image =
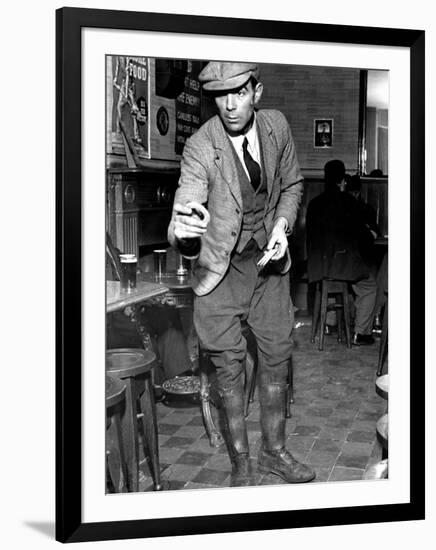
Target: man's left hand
{"type": "Point", "coordinates": [278, 238]}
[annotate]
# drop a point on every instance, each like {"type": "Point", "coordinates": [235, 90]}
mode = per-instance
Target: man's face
{"type": "Point", "coordinates": [236, 107]}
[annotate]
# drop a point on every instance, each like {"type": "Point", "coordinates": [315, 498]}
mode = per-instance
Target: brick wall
{"type": "Point", "coordinates": [306, 93]}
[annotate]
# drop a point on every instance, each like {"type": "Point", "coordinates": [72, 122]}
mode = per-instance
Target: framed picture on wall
{"type": "Point", "coordinates": [323, 132]}
{"type": "Point", "coordinates": [94, 43]}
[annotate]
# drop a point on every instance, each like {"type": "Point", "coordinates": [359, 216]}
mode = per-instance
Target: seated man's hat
{"type": "Point", "coordinates": [220, 76]}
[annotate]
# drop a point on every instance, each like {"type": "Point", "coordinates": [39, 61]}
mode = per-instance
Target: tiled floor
{"type": "Point", "coordinates": [332, 428]}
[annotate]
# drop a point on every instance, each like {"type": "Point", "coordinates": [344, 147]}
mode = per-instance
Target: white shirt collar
{"type": "Point", "coordinates": [252, 139]}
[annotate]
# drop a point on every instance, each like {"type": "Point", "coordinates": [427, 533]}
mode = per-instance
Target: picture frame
{"type": "Point", "coordinates": [70, 525]}
{"type": "Point", "coordinates": [323, 133]}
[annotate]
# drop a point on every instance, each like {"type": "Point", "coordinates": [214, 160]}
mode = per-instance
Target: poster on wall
{"type": "Point", "coordinates": [128, 98]}
{"type": "Point", "coordinates": [153, 106]}
{"type": "Point", "coordinates": [175, 105]}
{"type": "Point", "coordinates": [323, 133]}
{"type": "Point", "coordinates": [188, 106]}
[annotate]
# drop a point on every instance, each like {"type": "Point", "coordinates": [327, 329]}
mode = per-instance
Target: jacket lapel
{"type": "Point", "coordinates": [224, 160]}
{"type": "Point", "coordinates": [269, 150]}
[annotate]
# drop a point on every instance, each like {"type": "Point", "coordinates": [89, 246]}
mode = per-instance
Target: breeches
{"type": "Point", "coordinates": [365, 303]}
{"type": "Point", "coordinates": [262, 299]}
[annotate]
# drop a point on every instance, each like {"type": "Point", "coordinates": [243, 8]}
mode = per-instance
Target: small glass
{"type": "Point", "coordinates": [160, 263]}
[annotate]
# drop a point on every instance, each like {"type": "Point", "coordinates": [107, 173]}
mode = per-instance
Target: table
{"type": "Point", "coordinates": [117, 300]}
{"type": "Point", "coordinates": [179, 290]}
{"type": "Point", "coordinates": [144, 292]}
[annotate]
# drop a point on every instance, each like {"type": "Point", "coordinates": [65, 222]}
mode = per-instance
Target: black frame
{"type": "Point", "coordinates": [69, 22]}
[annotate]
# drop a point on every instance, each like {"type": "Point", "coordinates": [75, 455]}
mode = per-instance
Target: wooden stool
{"type": "Point", "coordinates": [382, 386]}
{"type": "Point", "coordinates": [115, 451]}
{"type": "Point", "coordinates": [382, 389]}
{"type": "Point", "coordinates": [133, 367]}
{"type": "Point", "coordinates": [321, 306]}
{"type": "Point", "coordinates": [379, 470]}
{"type": "Point", "coordinates": [382, 434]}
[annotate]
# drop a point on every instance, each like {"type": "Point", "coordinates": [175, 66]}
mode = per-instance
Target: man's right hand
{"type": "Point", "coordinates": [190, 220]}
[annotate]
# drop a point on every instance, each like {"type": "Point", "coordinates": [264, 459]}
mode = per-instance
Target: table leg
{"type": "Point", "coordinates": [215, 437]}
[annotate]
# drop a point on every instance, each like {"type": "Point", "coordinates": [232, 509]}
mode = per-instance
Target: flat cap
{"type": "Point", "coordinates": [219, 76]}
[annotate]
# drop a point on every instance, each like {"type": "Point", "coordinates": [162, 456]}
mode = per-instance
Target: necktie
{"type": "Point", "coordinates": [252, 166]}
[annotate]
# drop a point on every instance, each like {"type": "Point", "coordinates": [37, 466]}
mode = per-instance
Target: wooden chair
{"type": "Point", "coordinates": [339, 289]}
{"type": "Point", "coordinates": [134, 367]}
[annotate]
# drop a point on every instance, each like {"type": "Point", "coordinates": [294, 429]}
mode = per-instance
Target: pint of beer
{"type": "Point", "coordinates": [128, 272]}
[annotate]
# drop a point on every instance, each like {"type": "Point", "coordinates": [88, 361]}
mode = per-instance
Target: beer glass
{"type": "Point", "coordinates": [128, 272]}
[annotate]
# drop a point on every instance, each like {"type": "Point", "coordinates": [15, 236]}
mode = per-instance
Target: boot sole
{"type": "Point", "coordinates": [266, 470]}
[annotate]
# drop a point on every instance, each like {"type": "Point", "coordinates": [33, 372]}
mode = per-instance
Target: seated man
{"type": "Point", "coordinates": [369, 215]}
{"type": "Point", "coordinates": [336, 236]}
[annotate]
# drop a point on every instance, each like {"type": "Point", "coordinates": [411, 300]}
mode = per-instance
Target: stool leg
{"type": "Point", "coordinates": [315, 314]}
{"type": "Point", "coordinates": [150, 431]}
{"type": "Point", "coordinates": [129, 423]}
{"type": "Point", "coordinates": [113, 459]}
{"type": "Point", "coordinates": [339, 317]}
{"type": "Point", "coordinates": [346, 302]}
{"type": "Point", "coordinates": [119, 435]}
{"type": "Point", "coordinates": [323, 314]}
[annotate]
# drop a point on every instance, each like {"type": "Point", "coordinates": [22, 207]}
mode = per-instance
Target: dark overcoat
{"type": "Point", "coordinates": [336, 235]}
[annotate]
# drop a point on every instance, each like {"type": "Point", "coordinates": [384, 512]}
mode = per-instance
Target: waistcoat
{"type": "Point", "coordinates": [253, 203]}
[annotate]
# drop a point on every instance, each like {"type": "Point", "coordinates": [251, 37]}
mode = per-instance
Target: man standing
{"type": "Point", "coordinates": [239, 191]}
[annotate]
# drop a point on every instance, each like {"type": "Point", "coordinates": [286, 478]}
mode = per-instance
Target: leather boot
{"type": "Point", "coordinates": [273, 457]}
{"type": "Point", "coordinates": [237, 439]}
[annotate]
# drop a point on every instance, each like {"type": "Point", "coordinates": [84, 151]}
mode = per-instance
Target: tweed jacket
{"type": "Point", "coordinates": [209, 176]}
